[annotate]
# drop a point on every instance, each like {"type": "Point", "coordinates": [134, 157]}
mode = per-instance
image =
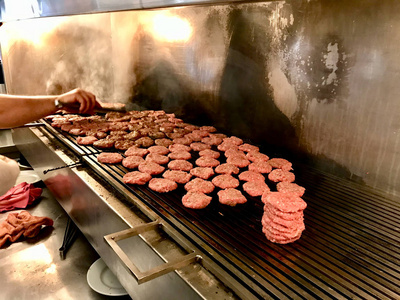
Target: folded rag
{"type": "Point", "coordinates": [21, 224]}
{"type": "Point", "coordinates": [20, 196]}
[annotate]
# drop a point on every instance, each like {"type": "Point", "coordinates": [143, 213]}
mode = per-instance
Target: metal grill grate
{"type": "Point", "coordinates": [350, 248]}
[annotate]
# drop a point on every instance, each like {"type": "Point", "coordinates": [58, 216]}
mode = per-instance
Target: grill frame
{"type": "Point", "coordinates": [334, 259]}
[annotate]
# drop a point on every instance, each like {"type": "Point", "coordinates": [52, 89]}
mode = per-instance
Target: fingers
{"type": "Point", "coordinates": [86, 101]}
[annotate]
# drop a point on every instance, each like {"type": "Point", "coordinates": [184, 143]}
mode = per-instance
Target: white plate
{"type": "Point", "coordinates": [28, 176]}
{"type": "Point", "coordinates": [102, 280]}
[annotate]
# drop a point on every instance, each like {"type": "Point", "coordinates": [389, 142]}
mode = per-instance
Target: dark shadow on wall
{"type": "Point", "coordinates": [246, 104]}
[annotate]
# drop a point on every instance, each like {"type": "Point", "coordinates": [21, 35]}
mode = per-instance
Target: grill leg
{"type": "Point", "coordinates": [69, 238]}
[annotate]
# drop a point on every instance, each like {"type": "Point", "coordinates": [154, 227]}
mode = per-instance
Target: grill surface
{"type": "Point", "coordinates": [350, 248]}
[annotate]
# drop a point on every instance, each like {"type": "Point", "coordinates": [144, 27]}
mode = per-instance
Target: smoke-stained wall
{"type": "Point", "coordinates": [313, 80]}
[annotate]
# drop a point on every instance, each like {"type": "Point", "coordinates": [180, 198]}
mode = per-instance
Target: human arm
{"type": "Point", "coordinates": [18, 110]}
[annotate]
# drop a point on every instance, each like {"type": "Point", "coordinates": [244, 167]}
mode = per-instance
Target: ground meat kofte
{"type": "Point", "coordinates": [196, 200]}
{"type": "Point", "coordinates": [179, 147]}
{"type": "Point", "coordinates": [135, 151]}
{"type": "Point", "coordinates": [199, 185]}
{"type": "Point", "coordinates": [248, 148]}
{"type": "Point", "coordinates": [162, 185]}
{"type": "Point", "coordinates": [260, 167]}
{"type": "Point", "coordinates": [162, 150]}
{"type": "Point", "coordinates": [231, 197]}
{"type": "Point", "coordinates": [157, 158]}
{"type": "Point", "coordinates": [180, 164]}
{"type": "Point", "coordinates": [280, 163]}
{"type": "Point", "coordinates": [288, 187]}
{"type": "Point", "coordinates": [278, 175]}
{"type": "Point", "coordinates": [196, 146]}
{"type": "Point", "coordinates": [225, 181]}
{"type": "Point", "coordinates": [238, 161]}
{"type": "Point", "coordinates": [185, 155]}
{"type": "Point", "coordinates": [209, 153]}
{"type": "Point", "coordinates": [136, 177]}
{"type": "Point", "coordinates": [202, 172]}
{"type": "Point", "coordinates": [109, 158]}
{"type": "Point", "coordinates": [86, 140]}
{"type": "Point", "coordinates": [151, 168]}
{"type": "Point", "coordinates": [132, 162]}
{"type": "Point", "coordinates": [284, 202]}
{"type": "Point", "coordinates": [227, 169]}
{"type": "Point", "coordinates": [255, 188]}
{"type": "Point", "coordinates": [104, 144]}
{"type": "Point", "coordinates": [181, 177]}
{"type": "Point", "coordinates": [251, 176]}
{"type": "Point", "coordinates": [256, 156]}
{"type": "Point", "coordinates": [204, 161]}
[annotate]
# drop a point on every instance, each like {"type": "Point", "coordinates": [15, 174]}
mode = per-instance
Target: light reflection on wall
{"type": "Point", "coordinates": [32, 31]}
{"type": "Point", "coordinates": [169, 28]}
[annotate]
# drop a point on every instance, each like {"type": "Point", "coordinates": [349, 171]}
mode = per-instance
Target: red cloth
{"type": "Point", "coordinates": [20, 196]}
{"type": "Point", "coordinates": [21, 224]}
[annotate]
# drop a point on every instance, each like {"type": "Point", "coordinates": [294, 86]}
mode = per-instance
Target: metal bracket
{"type": "Point", "coordinates": [155, 272]}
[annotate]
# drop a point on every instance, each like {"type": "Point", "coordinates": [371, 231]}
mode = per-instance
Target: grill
{"type": "Point", "coordinates": [350, 248]}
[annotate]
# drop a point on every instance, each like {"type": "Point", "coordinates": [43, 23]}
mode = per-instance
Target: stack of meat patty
{"type": "Point", "coordinates": [283, 220]}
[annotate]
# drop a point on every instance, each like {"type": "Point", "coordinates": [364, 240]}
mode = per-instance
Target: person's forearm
{"type": "Point", "coordinates": [19, 110]}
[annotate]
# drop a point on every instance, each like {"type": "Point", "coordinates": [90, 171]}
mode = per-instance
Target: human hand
{"type": "Point", "coordinates": [79, 100]}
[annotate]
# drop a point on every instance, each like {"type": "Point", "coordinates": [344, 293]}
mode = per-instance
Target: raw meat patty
{"type": "Point", "coordinates": [211, 140]}
{"type": "Point", "coordinates": [194, 137]}
{"type": "Point", "coordinates": [144, 142]}
{"type": "Point", "coordinates": [162, 150]}
{"type": "Point", "coordinates": [256, 156]}
{"type": "Point", "coordinates": [278, 175]}
{"type": "Point", "coordinates": [234, 152]}
{"type": "Point", "coordinates": [109, 158]}
{"type": "Point", "coordinates": [278, 238]}
{"type": "Point", "coordinates": [226, 145]}
{"type": "Point", "coordinates": [231, 197]}
{"type": "Point", "coordinates": [260, 166]}
{"type": "Point", "coordinates": [238, 161]}
{"type": "Point", "coordinates": [290, 216]}
{"type": "Point", "coordinates": [163, 142]}
{"type": "Point", "coordinates": [179, 147]}
{"type": "Point", "coordinates": [202, 172]}
{"type": "Point", "coordinates": [255, 188]}
{"type": "Point", "coordinates": [284, 202]}
{"type": "Point", "coordinates": [209, 153]}
{"type": "Point", "coordinates": [204, 161]}
{"type": "Point", "coordinates": [177, 176]}
{"type": "Point", "coordinates": [136, 151]}
{"type": "Point", "coordinates": [225, 181]}
{"type": "Point", "coordinates": [123, 144]}
{"type": "Point", "coordinates": [199, 146]}
{"type": "Point", "coordinates": [157, 158]}
{"type": "Point", "coordinates": [86, 140]}
{"type": "Point", "coordinates": [251, 176]}
{"type": "Point", "coordinates": [273, 221]}
{"type": "Point", "coordinates": [280, 163]}
{"type": "Point", "coordinates": [180, 164]}
{"type": "Point", "coordinates": [183, 141]}
{"type": "Point", "coordinates": [104, 144]}
{"type": "Point", "coordinates": [227, 169]}
{"type": "Point", "coordinates": [185, 155]}
{"type": "Point", "coordinates": [132, 162]}
{"type": "Point", "coordinates": [234, 140]}
{"type": "Point", "coordinates": [196, 200]}
{"type": "Point", "coordinates": [136, 177]}
{"type": "Point", "coordinates": [287, 187]}
{"type": "Point", "coordinates": [199, 185]}
{"type": "Point", "coordinates": [248, 148]}
{"type": "Point", "coordinates": [208, 128]}
{"type": "Point", "coordinates": [162, 185]}
{"type": "Point", "coordinates": [151, 168]}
